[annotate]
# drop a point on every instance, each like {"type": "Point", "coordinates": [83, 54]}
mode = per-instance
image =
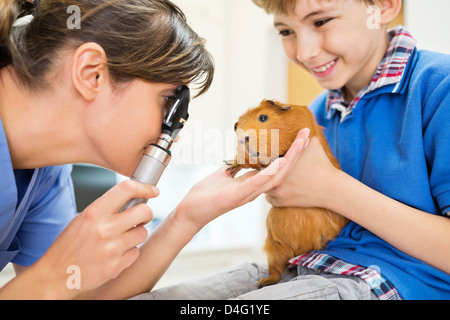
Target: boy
{"type": "Point", "coordinates": [384, 116]}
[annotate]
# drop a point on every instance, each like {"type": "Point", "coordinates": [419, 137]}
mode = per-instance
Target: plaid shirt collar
{"type": "Point", "coordinates": [390, 71]}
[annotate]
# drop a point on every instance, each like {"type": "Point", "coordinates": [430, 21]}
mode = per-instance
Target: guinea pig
{"type": "Point", "coordinates": [265, 133]}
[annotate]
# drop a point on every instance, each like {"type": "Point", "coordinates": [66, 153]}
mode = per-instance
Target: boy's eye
{"type": "Point", "coordinates": [285, 33]}
{"type": "Point", "coordinates": [321, 22]}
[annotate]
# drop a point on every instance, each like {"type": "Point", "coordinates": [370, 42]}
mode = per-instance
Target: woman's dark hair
{"type": "Point", "coordinates": [142, 39]}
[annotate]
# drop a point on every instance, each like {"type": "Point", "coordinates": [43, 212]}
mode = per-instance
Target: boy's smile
{"type": "Point", "coordinates": [325, 69]}
{"type": "Point", "coordinates": [332, 41]}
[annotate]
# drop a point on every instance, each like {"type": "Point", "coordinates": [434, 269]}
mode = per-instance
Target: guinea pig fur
{"type": "Point", "coordinates": [264, 133]}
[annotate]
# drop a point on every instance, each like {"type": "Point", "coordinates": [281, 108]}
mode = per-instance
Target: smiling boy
{"type": "Point", "coordinates": [385, 116]}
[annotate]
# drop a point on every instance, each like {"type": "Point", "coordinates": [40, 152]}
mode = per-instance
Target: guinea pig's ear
{"type": "Point", "coordinates": [235, 126]}
{"type": "Point", "coordinates": [282, 108]}
{"type": "Point", "coordinates": [277, 106]}
{"type": "Point", "coordinates": [285, 108]}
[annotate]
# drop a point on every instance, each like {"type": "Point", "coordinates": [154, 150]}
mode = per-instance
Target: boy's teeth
{"type": "Point", "coordinates": [325, 67]}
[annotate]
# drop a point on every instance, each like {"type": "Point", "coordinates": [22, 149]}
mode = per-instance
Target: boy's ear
{"type": "Point", "coordinates": [389, 10]}
{"type": "Point", "coordinates": [89, 71]}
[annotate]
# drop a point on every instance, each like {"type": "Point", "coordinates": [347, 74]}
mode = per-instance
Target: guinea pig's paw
{"type": "Point", "coordinates": [272, 279]}
{"type": "Point", "coordinates": [229, 162]}
{"type": "Point", "coordinates": [233, 169]}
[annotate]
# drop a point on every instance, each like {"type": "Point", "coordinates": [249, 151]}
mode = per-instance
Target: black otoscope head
{"type": "Point", "coordinates": [178, 113]}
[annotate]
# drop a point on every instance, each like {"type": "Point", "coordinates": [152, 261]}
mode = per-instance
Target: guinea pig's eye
{"type": "Point", "coordinates": [263, 118]}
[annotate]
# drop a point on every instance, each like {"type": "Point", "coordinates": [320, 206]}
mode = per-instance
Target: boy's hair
{"type": "Point", "coordinates": [285, 6]}
{"type": "Point", "coordinates": [142, 39]}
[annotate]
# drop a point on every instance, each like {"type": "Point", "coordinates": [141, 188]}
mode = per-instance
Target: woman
{"type": "Point", "coordinates": [97, 94]}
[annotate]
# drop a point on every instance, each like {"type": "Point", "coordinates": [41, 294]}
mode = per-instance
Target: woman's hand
{"type": "Point", "coordinates": [100, 241]}
{"type": "Point", "coordinates": [308, 182]}
{"type": "Point", "coordinates": [221, 192]}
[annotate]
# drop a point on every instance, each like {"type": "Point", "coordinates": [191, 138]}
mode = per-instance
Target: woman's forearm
{"type": "Point", "coordinates": [38, 282]}
{"type": "Point", "coordinates": [416, 233]}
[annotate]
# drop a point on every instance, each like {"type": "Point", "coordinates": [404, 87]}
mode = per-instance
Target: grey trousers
{"type": "Point", "coordinates": [242, 283]}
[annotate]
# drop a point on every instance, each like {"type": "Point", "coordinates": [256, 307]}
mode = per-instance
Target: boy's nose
{"type": "Point", "coordinates": [307, 48]}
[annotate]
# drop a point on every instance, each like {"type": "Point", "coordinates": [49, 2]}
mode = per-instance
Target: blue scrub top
{"type": "Point", "coordinates": [35, 206]}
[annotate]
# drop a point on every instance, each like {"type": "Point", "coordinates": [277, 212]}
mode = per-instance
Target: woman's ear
{"type": "Point", "coordinates": [89, 70]}
{"type": "Point", "coordinates": [389, 10]}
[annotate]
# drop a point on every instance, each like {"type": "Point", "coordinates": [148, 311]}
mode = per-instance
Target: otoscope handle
{"type": "Point", "coordinates": [149, 170]}
{"type": "Point", "coordinates": [131, 203]}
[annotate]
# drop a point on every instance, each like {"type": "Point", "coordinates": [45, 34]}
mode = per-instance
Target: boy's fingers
{"type": "Point", "coordinates": [282, 166]}
{"type": "Point", "coordinates": [291, 156]}
{"type": "Point", "coordinates": [298, 145]}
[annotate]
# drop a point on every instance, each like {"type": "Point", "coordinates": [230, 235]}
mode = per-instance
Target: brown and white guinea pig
{"type": "Point", "coordinates": [291, 231]}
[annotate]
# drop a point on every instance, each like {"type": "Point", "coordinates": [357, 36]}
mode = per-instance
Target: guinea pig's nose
{"type": "Point", "coordinates": [245, 140]}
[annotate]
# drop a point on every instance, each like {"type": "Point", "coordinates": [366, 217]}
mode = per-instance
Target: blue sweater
{"type": "Point", "coordinates": [397, 141]}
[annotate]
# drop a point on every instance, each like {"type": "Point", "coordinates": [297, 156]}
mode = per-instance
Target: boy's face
{"type": "Point", "coordinates": [332, 41]}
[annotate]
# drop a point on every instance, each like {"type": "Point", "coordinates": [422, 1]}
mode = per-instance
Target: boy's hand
{"type": "Point", "coordinates": [307, 184]}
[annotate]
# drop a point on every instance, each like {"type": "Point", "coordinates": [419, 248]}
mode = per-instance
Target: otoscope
{"type": "Point", "coordinates": [157, 155]}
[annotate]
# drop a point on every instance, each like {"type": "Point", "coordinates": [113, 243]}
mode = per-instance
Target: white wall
{"type": "Point", "coordinates": [428, 21]}
{"type": "Point", "coordinates": [250, 66]}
